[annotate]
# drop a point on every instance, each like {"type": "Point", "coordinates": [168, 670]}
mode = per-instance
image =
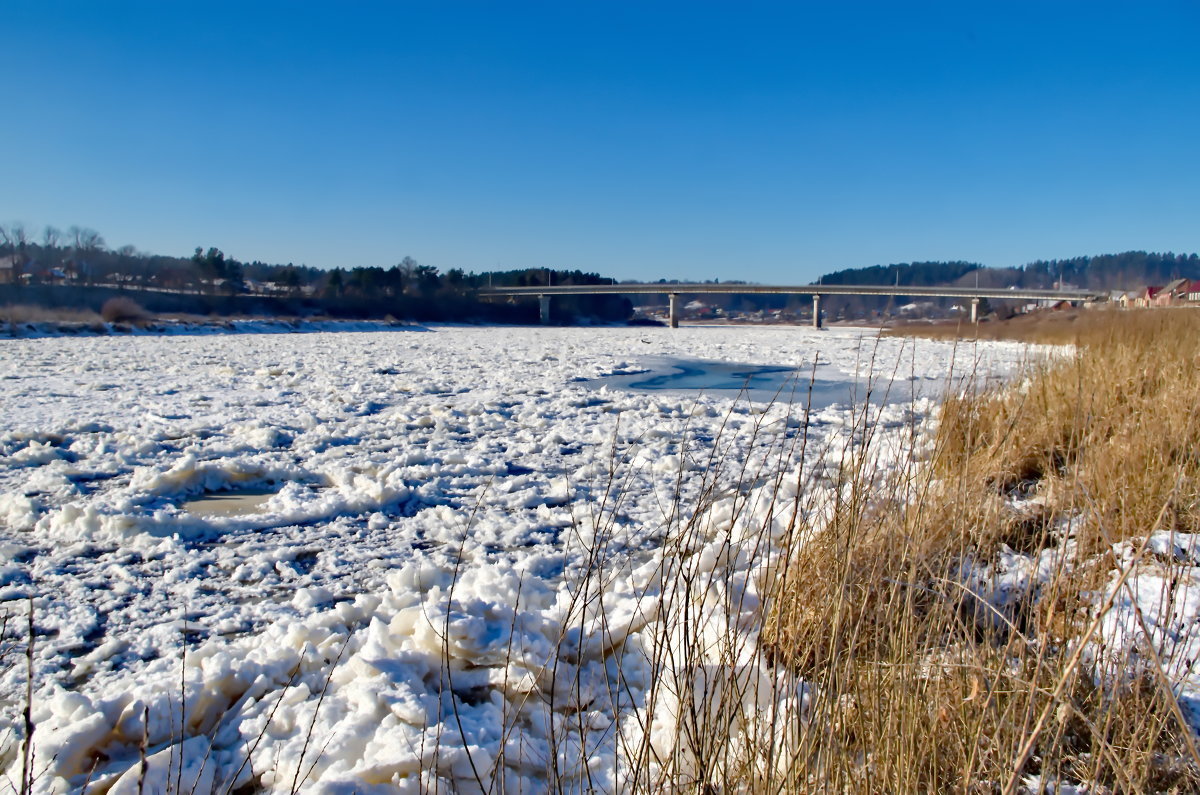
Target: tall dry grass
{"type": "Point", "coordinates": [1111, 430]}
{"type": "Point", "coordinates": [19, 314]}
{"type": "Point", "coordinates": [1047, 327]}
{"type": "Point", "coordinates": [933, 670]}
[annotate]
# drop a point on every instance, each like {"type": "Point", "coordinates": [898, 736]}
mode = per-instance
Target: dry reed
{"type": "Point", "coordinates": [923, 679]}
{"type": "Point", "coordinates": [20, 314]}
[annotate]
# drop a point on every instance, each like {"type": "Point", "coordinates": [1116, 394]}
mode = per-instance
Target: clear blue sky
{"type": "Point", "coordinates": [762, 141]}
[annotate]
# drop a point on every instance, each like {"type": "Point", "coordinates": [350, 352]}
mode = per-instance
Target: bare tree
{"type": "Point", "coordinates": [84, 241]}
{"type": "Point", "coordinates": [20, 238]}
{"type": "Point", "coordinates": [51, 236]}
{"type": "Point", "coordinates": [19, 234]}
{"type": "Point", "coordinates": [14, 238]}
{"type": "Point", "coordinates": [90, 240]}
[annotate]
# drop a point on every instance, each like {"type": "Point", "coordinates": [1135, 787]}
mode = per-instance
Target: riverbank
{"type": "Point", "coordinates": [1045, 327]}
{"type": "Point", "coordinates": [1020, 609]}
{"type": "Point", "coordinates": [38, 325]}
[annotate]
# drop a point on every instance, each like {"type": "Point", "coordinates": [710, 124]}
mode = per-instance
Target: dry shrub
{"type": "Point", "coordinates": [122, 309]}
{"type": "Point", "coordinates": [921, 684]}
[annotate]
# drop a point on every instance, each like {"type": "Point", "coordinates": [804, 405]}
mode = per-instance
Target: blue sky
{"type": "Point", "coordinates": [761, 141]}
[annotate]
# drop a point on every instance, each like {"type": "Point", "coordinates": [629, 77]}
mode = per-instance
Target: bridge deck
{"type": "Point", "coordinates": [803, 289]}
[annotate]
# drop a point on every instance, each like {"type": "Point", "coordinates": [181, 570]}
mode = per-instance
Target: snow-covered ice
{"type": "Point", "coordinates": [462, 559]}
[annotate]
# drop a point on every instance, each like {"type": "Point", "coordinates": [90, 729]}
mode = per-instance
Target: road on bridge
{"type": "Point", "coordinates": [673, 291]}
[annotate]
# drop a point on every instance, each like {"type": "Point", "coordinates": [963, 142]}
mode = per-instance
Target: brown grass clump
{"type": "Point", "coordinates": [1047, 326]}
{"type": "Point", "coordinates": [1110, 430]}
{"type": "Point", "coordinates": [122, 309]}
{"type": "Point", "coordinates": [20, 314]}
{"type": "Point", "coordinates": [919, 682]}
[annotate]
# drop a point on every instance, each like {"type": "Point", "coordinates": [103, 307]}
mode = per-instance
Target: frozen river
{"type": "Point", "coordinates": [760, 383]}
{"type": "Point", "coordinates": [435, 518]}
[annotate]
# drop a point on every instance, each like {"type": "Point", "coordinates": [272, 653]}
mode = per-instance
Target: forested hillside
{"type": "Point", "coordinates": [1131, 270]}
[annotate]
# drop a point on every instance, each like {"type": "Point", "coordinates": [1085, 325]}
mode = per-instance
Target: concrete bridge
{"type": "Point", "coordinates": [673, 291]}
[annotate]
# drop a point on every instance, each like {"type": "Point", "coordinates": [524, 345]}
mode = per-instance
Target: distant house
{"type": "Point", "coordinates": [1193, 293]}
{"type": "Point", "coordinates": [10, 269]}
{"type": "Point", "coordinates": [55, 276]}
{"type": "Point", "coordinates": [1174, 292]}
{"type": "Point", "coordinates": [1148, 295]}
{"type": "Point", "coordinates": [1123, 298]}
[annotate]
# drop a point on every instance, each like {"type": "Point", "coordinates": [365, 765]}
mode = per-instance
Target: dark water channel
{"type": "Point", "coordinates": [755, 382]}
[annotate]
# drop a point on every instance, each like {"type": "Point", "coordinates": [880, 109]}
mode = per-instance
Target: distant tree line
{"type": "Point", "coordinates": [409, 289]}
{"type": "Point", "coordinates": [80, 256]}
{"type": "Point", "coordinates": [1131, 270]}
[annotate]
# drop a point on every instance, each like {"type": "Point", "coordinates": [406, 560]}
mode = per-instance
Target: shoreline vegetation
{"type": "Point", "coordinates": [1020, 607]}
{"type": "Point", "coordinates": [1041, 327]}
{"type": "Point", "coordinates": [1007, 603]}
{"type": "Point", "coordinates": [17, 321]}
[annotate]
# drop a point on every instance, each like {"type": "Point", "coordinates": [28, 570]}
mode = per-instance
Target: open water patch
{"type": "Point", "coordinates": [760, 383]}
{"type": "Point", "coordinates": [243, 502]}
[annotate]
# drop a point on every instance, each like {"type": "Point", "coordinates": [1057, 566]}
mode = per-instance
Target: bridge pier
{"type": "Point", "coordinates": [816, 311]}
{"type": "Point", "coordinates": [544, 309]}
{"type": "Point", "coordinates": [674, 310]}
{"type": "Point", "coordinates": [974, 310]}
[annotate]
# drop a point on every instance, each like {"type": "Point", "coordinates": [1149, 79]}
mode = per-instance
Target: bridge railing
{"type": "Point", "coordinates": [802, 289]}
{"type": "Point", "coordinates": [673, 291]}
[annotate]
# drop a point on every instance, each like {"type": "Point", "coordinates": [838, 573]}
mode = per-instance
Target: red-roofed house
{"type": "Point", "coordinates": [1148, 295]}
{"type": "Point", "coordinates": [1174, 292]}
